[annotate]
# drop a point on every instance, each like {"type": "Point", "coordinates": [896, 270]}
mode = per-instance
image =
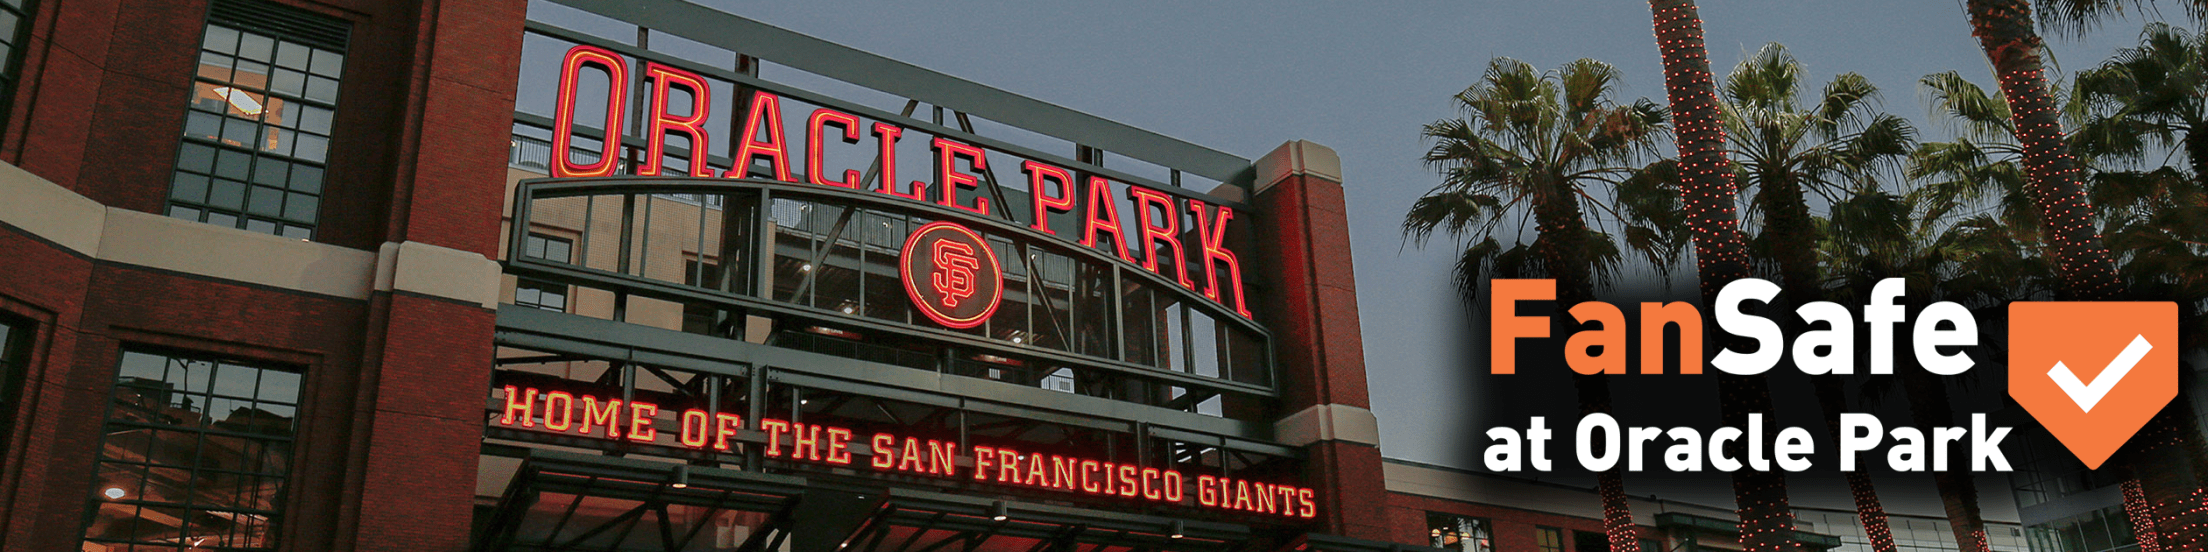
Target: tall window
{"type": "Point", "coordinates": [15, 27]}
{"type": "Point", "coordinates": [1459, 533]}
{"type": "Point", "coordinates": [257, 136]}
{"type": "Point", "coordinates": [195, 455]}
{"type": "Point", "coordinates": [538, 293]}
{"type": "Point", "coordinates": [1548, 539]}
{"type": "Point", "coordinates": [15, 341]}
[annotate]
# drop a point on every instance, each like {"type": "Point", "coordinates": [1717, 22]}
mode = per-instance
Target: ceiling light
{"type": "Point", "coordinates": [1178, 528]}
{"type": "Point", "coordinates": [1001, 510]}
{"type": "Point", "coordinates": [238, 99]}
{"type": "Point", "coordinates": [115, 493]}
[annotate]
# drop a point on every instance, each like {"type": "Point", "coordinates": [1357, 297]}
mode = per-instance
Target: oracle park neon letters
{"type": "Point", "coordinates": [584, 415]}
{"type": "Point", "coordinates": [1053, 189]}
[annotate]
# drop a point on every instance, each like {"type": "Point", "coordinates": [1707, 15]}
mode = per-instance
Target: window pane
{"type": "Point", "coordinates": [322, 89]}
{"type": "Point", "coordinates": [292, 56]}
{"type": "Point", "coordinates": [256, 47]}
{"type": "Point", "coordinates": [306, 178]}
{"type": "Point", "coordinates": [300, 207]}
{"type": "Point", "coordinates": [221, 39]}
{"type": "Point", "coordinates": [196, 158]}
{"type": "Point", "coordinates": [189, 187]}
{"type": "Point", "coordinates": [328, 63]}
{"type": "Point", "coordinates": [287, 81]}
{"type": "Point", "coordinates": [203, 125]}
{"type": "Point", "coordinates": [213, 66]}
{"type": "Point", "coordinates": [266, 201]}
{"type": "Point", "coordinates": [227, 194]}
{"type": "Point", "coordinates": [271, 172]}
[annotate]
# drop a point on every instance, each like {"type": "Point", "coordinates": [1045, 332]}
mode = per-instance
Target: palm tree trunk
{"type": "Point", "coordinates": [1617, 511]}
{"type": "Point", "coordinates": [1706, 183]}
{"type": "Point", "coordinates": [2166, 461]}
{"type": "Point", "coordinates": [1832, 400]}
{"type": "Point", "coordinates": [2004, 30]}
{"type": "Point", "coordinates": [1563, 247]}
{"type": "Point", "coordinates": [1928, 407]}
{"type": "Point", "coordinates": [2141, 514]}
{"type": "Point", "coordinates": [1708, 197]}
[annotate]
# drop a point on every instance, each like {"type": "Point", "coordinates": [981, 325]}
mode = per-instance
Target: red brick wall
{"type": "Point", "coordinates": [101, 105]}
{"type": "Point", "coordinates": [90, 310]}
{"type": "Point", "coordinates": [1303, 260]}
{"type": "Point", "coordinates": [390, 424]}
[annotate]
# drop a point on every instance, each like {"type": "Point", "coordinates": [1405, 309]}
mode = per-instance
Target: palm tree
{"type": "Point", "coordinates": [1535, 143]}
{"type": "Point", "coordinates": [2147, 214]}
{"type": "Point", "coordinates": [1982, 168]}
{"type": "Point", "coordinates": [1785, 151]}
{"type": "Point", "coordinates": [1707, 197]}
{"type": "Point", "coordinates": [2004, 30]}
{"type": "Point", "coordinates": [1975, 261]}
{"type": "Point", "coordinates": [2147, 94]}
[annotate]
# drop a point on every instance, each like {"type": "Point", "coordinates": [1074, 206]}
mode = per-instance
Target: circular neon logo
{"type": "Point", "coordinates": [952, 275]}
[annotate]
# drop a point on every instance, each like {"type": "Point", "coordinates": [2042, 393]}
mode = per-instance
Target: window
{"type": "Point", "coordinates": [1589, 541]}
{"type": "Point", "coordinates": [1548, 539]}
{"type": "Point", "coordinates": [257, 136]}
{"type": "Point", "coordinates": [1459, 533]}
{"type": "Point", "coordinates": [15, 27]}
{"type": "Point", "coordinates": [195, 454]}
{"type": "Point", "coordinates": [539, 293]}
{"type": "Point", "coordinates": [15, 348]}
{"type": "Point", "coordinates": [540, 246]}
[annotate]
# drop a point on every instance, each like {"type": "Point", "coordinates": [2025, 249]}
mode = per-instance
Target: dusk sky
{"type": "Point", "coordinates": [1361, 77]}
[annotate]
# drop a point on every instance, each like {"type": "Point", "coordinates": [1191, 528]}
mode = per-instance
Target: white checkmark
{"type": "Point", "coordinates": [2087, 395]}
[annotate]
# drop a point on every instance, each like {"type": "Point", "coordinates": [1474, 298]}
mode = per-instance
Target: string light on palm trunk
{"type": "Point", "coordinates": [1706, 187]}
{"type": "Point", "coordinates": [1623, 537]}
{"type": "Point", "coordinates": [2052, 175]}
{"type": "Point", "coordinates": [2141, 515]}
{"type": "Point", "coordinates": [1872, 512]}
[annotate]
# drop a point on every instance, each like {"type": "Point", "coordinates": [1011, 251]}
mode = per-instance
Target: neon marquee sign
{"type": "Point", "coordinates": [1053, 190]}
{"type": "Point", "coordinates": [590, 416]}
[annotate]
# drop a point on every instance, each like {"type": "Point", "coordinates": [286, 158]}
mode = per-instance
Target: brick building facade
{"type": "Point", "coordinates": [294, 275]}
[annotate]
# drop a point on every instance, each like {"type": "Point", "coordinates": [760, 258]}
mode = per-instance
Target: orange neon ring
{"type": "Point", "coordinates": [904, 272]}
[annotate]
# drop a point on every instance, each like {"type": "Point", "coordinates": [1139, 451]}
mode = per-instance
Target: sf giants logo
{"type": "Point", "coordinates": [952, 275]}
{"type": "Point", "coordinates": [954, 271]}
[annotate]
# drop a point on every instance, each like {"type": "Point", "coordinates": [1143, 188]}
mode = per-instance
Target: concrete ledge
{"type": "Point", "coordinates": [437, 271]}
{"type": "Point", "coordinates": [1328, 422]}
{"type": "Point", "coordinates": [177, 245]}
{"type": "Point", "coordinates": [1298, 157]}
{"type": "Point", "coordinates": [123, 236]}
{"type": "Point", "coordinates": [49, 211]}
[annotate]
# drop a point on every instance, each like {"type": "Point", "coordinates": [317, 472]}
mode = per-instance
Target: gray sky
{"type": "Point", "coordinates": [1361, 77]}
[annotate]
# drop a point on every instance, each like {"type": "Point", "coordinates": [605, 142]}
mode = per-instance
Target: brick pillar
{"type": "Point", "coordinates": [419, 421]}
{"type": "Point", "coordinates": [1302, 231]}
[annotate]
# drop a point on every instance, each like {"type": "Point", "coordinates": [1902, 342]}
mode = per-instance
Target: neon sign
{"type": "Point", "coordinates": [951, 274]}
{"type": "Point", "coordinates": [584, 415]}
{"type": "Point", "coordinates": [1157, 215]}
